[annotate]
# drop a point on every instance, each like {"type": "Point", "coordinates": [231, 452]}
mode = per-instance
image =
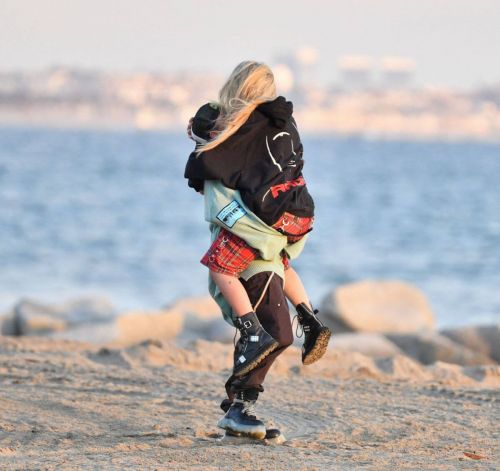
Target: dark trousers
{"type": "Point", "coordinates": [274, 316]}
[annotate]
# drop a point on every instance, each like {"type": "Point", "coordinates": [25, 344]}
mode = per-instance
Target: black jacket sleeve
{"type": "Point", "coordinates": [215, 164]}
{"type": "Point", "coordinates": [197, 185]}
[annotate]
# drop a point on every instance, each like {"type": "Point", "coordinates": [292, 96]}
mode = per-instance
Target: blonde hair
{"type": "Point", "coordinates": [250, 84]}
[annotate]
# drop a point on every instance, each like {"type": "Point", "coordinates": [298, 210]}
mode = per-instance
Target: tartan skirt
{"type": "Point", "coordinates": [231, 255]}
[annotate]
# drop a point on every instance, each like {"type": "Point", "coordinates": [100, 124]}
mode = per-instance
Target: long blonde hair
{"type": "Point", "coordinates": [250, 84]}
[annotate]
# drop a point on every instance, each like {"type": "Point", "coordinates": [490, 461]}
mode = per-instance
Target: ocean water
{"type": "Point", "coordinates": [86, 212]}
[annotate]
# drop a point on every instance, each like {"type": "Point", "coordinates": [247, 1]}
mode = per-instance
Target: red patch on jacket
{"type": "Point", "coordinates": [284, 187]}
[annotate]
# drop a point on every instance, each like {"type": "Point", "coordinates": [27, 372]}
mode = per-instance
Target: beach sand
{"type": "Point", "coordinates": [70, 405]}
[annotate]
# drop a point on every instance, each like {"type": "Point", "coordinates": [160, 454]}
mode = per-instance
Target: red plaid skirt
{"type": "Point", "coordinates": [231, 255]}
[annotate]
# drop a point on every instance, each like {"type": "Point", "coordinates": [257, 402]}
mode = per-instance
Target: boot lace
{"type": "Point", "coordinates": [249, 409]}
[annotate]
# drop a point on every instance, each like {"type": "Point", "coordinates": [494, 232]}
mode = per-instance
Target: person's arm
{"type": "Point", "coordinates": [215, 164]}
{"type": "Point", "coordinates": [197, 185]}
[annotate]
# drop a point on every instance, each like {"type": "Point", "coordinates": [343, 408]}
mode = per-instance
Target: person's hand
{"type": "Point", "coordinates": [188, 130]}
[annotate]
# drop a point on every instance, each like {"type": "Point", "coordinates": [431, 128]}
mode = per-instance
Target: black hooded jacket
{"type": "Point", "coordinates": [263, 160]}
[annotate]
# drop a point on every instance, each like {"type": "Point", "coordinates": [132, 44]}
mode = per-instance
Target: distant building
{"type": "Point", "coordinates": [387, 106]}
{"type": "Point", "coordinates": [300, 62]}
{"type": "Point", "coordinates": [397, 72]}
{"type": "Point", "coordinates": [356, 72]}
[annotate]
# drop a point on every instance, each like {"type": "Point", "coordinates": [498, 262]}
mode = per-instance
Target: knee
{"type": "Point", "coordinates": [278, 328]}
{"type": "Point", "coordinates": [278, 325]}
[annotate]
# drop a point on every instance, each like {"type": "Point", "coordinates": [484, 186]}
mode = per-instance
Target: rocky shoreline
{"type": "Point", "coordinates": [379, 319]}
{"type": "Point", "coordinates": [84, 387]}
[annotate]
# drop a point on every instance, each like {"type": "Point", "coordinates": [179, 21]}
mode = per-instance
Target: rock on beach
{"type": "Point", "coordinates": [484, 339]}
{"type": "Point", "coordinates": [377, 306]}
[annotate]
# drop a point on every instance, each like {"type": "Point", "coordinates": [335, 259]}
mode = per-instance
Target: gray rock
{"type": "Point", "coordinates": [483, 339]}
{"type": "Point", "coordinates": [368, 343]}
{"type": "Point", "coordinates": [127, 328]}
{"type": "Point", "coordinates": [202, 320]}
{"type": "Point", "coordinates": [202, 308]}
{"type": "Point", "coordinates": [219, 331]}
{"type": "Point", "coordinates": [137, 326]}
{"type": "Point", "coordinates": [36, 318]}
{"type": "Point", "coordinates": [7, 325]}
{"type": "Point", "coordinates": [377, 306]}
{"type": "Point", "coordinates": [215, 330]}
{"type": "Point", "coordinates": [430, 347]}
{"type": "Point", "coordinates": [98, 333]}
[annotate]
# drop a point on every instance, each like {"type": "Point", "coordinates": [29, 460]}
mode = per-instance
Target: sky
{"type": "Point", "coordinates": [453, 42]}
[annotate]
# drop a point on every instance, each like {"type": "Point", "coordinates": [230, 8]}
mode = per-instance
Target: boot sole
{"type": "Point", "coordinates": [256, 362]}
{"type": "Point", "coordinates": [235, 430]}
{"type": "Point", "coordinates": [319, 348]}
{"type": "Point", "coordinates": [271, 433]}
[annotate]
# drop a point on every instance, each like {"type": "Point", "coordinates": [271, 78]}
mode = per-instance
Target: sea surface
{"type": "Point", "coordinates": [109, 213]}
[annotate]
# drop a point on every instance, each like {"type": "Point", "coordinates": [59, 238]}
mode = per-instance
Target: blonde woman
{"type": "Point", "coordinates": [256, 150]}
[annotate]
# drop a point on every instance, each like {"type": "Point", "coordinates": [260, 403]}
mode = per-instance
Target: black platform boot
{"type": "Point", "coordinates": [271, 433]}
{"type": "Point", "coordinates": [253, 345]}
{"type": "Point", "coordinates": [241, 420]}
{"type": "Point", "coordinates": [316, 335]}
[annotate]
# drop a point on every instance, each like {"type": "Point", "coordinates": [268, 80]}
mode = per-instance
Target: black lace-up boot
{"type": "Point", "coordinates": [316, 335]}
{"type": "Point", "coordinates": [241, 419]}
{"type": "Point", "coordinates": [271, 433]}
{"type": "Point", "coordinates": [253, 345]}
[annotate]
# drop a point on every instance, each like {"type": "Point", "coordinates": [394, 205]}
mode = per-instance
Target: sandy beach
{"type": "Point", "coordinates": [334, 166]}
{"type": "Point", "coordinates": [73, 405]}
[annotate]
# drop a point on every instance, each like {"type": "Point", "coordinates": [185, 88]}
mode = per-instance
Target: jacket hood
{"type": "Point", "coordinates": [279, 111]}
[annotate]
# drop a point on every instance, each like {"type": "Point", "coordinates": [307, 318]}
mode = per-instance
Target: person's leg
{"type": "Point", "coordinates": [227, 257]}
{"type": "Point", "coordinates": [316, 335]}
{"type": "Point", "coordinates": [243, 391]}
{"type": "Point", "coordinates": [274, 316]}
{"type": "Point", "coordinates": [234, 293]}
{"type": "Point", "coordinates": [294, 289]}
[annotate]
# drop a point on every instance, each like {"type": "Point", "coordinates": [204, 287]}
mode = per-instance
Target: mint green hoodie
{"type": "Point", "coordinates": [224, 207]}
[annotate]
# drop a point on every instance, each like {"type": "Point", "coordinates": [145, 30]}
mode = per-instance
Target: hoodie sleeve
{"type": "Point", "coordinates": [215, 164]}
{"type": "Point", "coordinates": [196, 185]}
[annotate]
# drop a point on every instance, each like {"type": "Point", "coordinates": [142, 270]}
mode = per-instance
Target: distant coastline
{"type": "Point", "coordinates": [63, 97]}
